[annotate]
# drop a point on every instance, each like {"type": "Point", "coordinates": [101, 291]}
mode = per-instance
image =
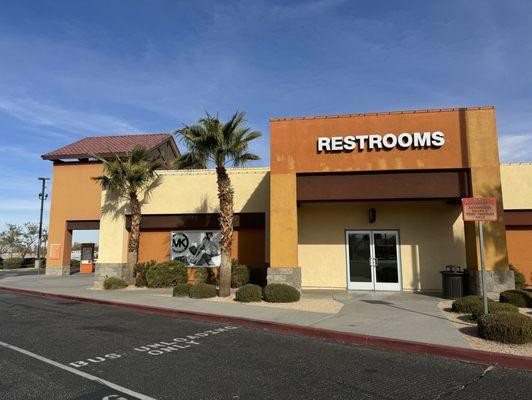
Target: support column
{"type": "Point", "coordinates": [284, 266]}
{"type": "Point", "coordinates": [59, 249]}
{"type": "Point", "coordinates": [113, 241]}
{"type": "Point", "coordinates": [483, 155]}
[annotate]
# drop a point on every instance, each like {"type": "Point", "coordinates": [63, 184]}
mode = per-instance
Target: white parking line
{"type": "Point", "coordinates": [78, 372]}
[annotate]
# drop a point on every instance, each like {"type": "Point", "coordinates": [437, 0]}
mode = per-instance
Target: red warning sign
{"type": "Point", "coordinates": [479, 209]}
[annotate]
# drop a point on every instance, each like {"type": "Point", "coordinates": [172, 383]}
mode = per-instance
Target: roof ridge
{"type": "Point", "coordinates": [127, 134]}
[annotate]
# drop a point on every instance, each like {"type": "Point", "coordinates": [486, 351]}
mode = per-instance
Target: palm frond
{"type": "Point", "coordinates": [212, 141]}
{"type": "Point", "coordinates": [128, 176]}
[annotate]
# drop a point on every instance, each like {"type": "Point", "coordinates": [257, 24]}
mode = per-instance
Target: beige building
{"type": "Point", "coordinates": [360, 202]}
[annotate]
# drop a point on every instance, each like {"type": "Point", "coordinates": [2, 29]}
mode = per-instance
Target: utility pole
{"type": "Point", "coordinates": [43, 196]}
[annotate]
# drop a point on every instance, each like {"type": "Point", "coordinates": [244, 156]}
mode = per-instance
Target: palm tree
{"type": "Point", "coordinates": [128, 178]}
{"type": "Point", "coordinates": [212, 142]}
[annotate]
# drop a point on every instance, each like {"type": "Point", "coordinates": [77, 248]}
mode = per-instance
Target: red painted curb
{"type": "Point", "coordinates": [456, 353]}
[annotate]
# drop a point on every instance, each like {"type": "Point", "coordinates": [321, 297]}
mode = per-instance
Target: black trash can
{"type": "Point", "coordinates": [452, 282]}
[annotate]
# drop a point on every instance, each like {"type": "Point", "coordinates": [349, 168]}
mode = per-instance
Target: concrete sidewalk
{"type": "Point", "coordinates": [395, 315]}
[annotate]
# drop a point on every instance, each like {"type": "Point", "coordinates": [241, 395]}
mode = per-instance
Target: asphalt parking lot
{"type": "Point", "coordinates": [57, 349]}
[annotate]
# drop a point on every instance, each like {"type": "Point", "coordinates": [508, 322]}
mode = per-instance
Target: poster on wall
{"type": "Point", "coordinates": [196, 248]}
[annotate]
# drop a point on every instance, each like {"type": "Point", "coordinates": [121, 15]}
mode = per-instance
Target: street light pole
{"type": "Point", "coordinates": [43, 196]}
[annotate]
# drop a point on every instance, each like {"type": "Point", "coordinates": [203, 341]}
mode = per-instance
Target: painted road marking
{"type": "Point", "coordinates": [77, 372]}
{"type": "Point", "coordinates": [155, 349]}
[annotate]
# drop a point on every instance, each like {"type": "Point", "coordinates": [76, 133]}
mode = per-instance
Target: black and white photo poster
{"type": "Point", "coordinates": [196, 248]}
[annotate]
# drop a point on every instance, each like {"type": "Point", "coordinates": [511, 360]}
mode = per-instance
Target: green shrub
{"type": "Point", "coordinates": [139, 272]}
{"type": "Point", "coordinates": [112, 282]}
{"type": "Point", "coordinates": [202, 291]}
{"type": "Point", "coordinates": [75, 263]}
{"type": "Point", "coordinates": [519, 298]}
{"type": "Point", "coordinates": [28, 262]}
{"type": "Point", "coordinates": [201, 275]}
{"type": "Point", "coordinates": [248, 293]}
{"type": "Point", "coordinates": [12, 263]}
{"type": "Point", "coordinates": [519, 278]}
{"type": "Point", "coordinates": [465, 304]}
{"type": "Point", "coordinates": [239, 276]}
{"type": "Point", "coordinates": [506, 327]}
{"type": "Point", "coordinates": [166, 274]}
{"type": "Point", "coordinates": [281, 293]}
{"type": "Point", "coordinates": [181, 289]}
{"type": "Point", "coordinates": [494, 307]}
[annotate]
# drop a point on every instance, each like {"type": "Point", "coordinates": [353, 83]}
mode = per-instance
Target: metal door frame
{"type": "Point", "coordinates": [374, 285]}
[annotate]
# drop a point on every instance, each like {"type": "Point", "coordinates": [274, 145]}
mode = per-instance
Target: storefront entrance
{"type": "Point", "coordinates": [373, 260]}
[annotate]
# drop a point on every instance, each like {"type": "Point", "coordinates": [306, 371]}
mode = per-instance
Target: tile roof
{"type": "Point", "coordinates": [107, 145]}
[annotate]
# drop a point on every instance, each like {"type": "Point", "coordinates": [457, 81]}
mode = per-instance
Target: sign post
{"type": "Point", "coordinates": [480, 209]}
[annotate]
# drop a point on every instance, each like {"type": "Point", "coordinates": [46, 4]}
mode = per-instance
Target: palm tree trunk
{"type": "Point", "coordinates": [133, 245]}
{"type": "Point", "coordinates": [225, 197]}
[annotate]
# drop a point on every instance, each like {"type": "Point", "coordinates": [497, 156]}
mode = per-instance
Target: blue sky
{"type": "Point", "coordinates": [69, 69]}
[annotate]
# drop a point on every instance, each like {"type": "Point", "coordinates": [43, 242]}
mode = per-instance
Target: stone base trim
{"type": "Point", "coordinates": [57, 270]}
{"type": "Point", "coordinates": [105, 270]}
{"type": "Point", "coordinates": [498, 281]}
{"type": "Point", "coordinates": [287, 275]}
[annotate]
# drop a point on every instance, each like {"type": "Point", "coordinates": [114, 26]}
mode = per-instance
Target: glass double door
{"type": "Point", "coordinates": [373, 260]}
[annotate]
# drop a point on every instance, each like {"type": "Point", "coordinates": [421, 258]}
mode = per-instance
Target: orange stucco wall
{"type": "Point", "coordinates": [470, 143]}
{"type": "Point", "coordinates": [74, 197]}
{"type": "Point", "coordinates": [294, 141]}
{"type": "Point", "coordinates": [519, 241]}
{"type": "Point", "coordinates": [248, 246]}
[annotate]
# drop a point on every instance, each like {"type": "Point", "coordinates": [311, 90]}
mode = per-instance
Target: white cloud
{"type": "Point", "coordinates": [515, 148]}
{"type": "Point", "coordinates": [18, 151]}
{"type": "Point", "coordinates": [20, 205]}
{"type": "Point", "coordinates": [35, 112]}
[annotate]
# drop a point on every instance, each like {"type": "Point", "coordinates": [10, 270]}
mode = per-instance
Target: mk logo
{"type": "Point", "coordinates": [179, 242]}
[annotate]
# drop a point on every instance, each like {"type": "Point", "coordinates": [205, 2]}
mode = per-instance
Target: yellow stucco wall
{"type": "Point", "coordinates": [195, 191]}
{"type": "Point", "coordinates": [113, 236]}
{"type": "Point", "coordinates": [184, 192]}
{"type": "Point", "coordinates": [516, 180]}
{"type": "Point", "coordinates": [431, 236]}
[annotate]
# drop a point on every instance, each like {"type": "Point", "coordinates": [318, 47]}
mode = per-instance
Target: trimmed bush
{"type": "Point", "coordinates": [519, 278]}
{"type": "Point", "coordinates": [494, 307]}
{"type": "Point", "coordinates": [201, 275]}
{"type": "Point", "coordinates": [506, 327]}
{"type": "Point", "coordinates": [75, 263]}
{"type": "Point", "coordinates": [248, 293]}
{"type": "Point", "coordinates": [112, 282]}
{"type": "Point", "coordinates": [181, 290]}
{"type": "Point", "coordinates": [519, 298]}
{"type": "Point", "coordinates": [139, 272]}
{"type": "Point", "coordinates": [202, 291]}
{"type": "Point", "coordinates": [28, 262]}
{"type": "Point", "coordinates": [166, 274]}
{"type": "Point", "coordinates": [12, 263]}
{"type": "Point", "coordinates": [239, 276]}
{"type": "Point", "coordinates": [281, 293]}
{"type": "Point", "coordinates": [465, 304]}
